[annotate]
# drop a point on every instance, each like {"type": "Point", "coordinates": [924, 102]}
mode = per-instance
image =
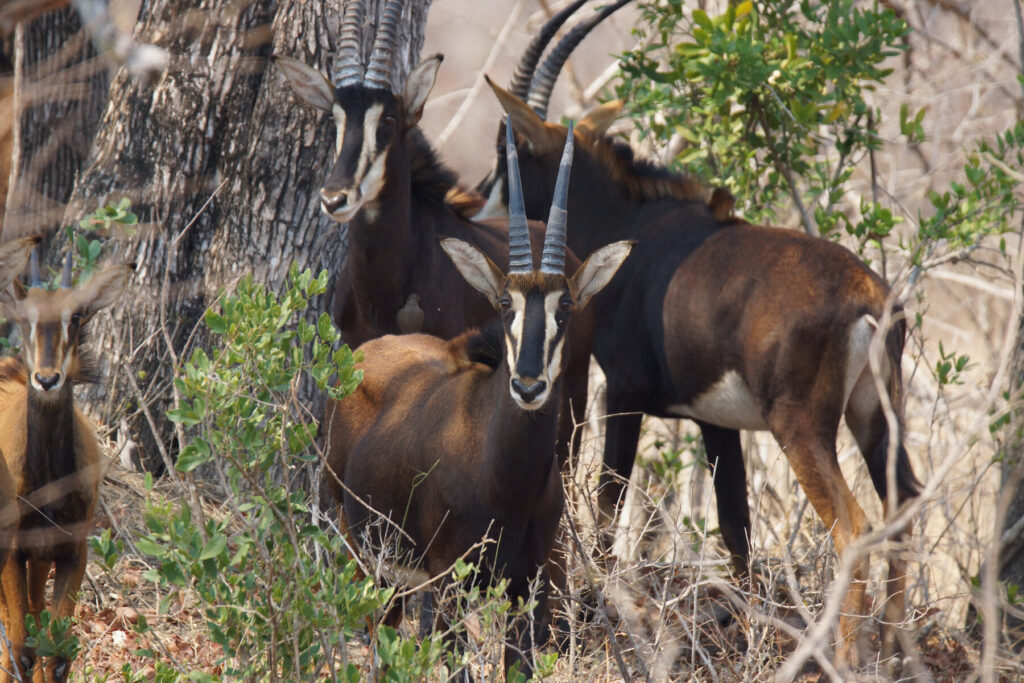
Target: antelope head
{"type": "Point", "coordinates": [369, 117]}
{"type": "Point", "coordinates": [531, 88]}
{"type": "Point", "coordinates": [51, 323]}
{"type": "Point", "coordinates": [536, 305]}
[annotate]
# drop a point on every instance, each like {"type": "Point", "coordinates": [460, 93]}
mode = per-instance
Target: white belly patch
{"type": "Point", "coordinates": [729, 403]}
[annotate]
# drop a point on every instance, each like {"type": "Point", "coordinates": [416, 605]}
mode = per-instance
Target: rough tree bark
{"type": "Point", "coordinates": [222, 165]}
{"type": "Point", "coordinates": [59, 92]}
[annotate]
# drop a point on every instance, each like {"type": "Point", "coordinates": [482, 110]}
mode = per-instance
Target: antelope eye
{"type": "Point", "coordinates": [76, 318]}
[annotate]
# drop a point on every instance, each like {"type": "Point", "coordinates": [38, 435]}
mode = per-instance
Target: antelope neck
{"type": "Point", "coordinates": [382, 248]}
{"type": "Point", "coordinates": [520, 443]}
{"type": "Point", "coordinates": [50, 447]}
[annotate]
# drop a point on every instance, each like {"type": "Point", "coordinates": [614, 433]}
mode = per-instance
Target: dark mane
{"type": "Point", "coordinates": [12, 369]}
{"type": "Point", "coordinates": [431, 179]}
{"type": "Point", "coordinates": [485, 345]}
{"type": "Point", "coordinates": [641, 179]}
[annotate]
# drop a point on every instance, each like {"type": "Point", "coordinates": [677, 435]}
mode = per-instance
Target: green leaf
{"type": "Point", "coordinates": [214, 547]}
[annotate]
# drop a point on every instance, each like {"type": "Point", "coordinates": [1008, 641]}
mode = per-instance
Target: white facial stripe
{"type": "Point", "coordinates": [339, 124]}
{"type": "Point", "coordinates": [373, 181]}
{"type": "Point", "coordinates": [65, 322]}
{"type": "Point", "coordinates": [495, 206]}
{"type": "Point", "coordinates": [553, 366]}
{"type": "Point", "coordinates": [370, 122]}
{"type": "Point", "coordinates": [33, 321]}
{"type": "Point", "coordinates": [515, 329]}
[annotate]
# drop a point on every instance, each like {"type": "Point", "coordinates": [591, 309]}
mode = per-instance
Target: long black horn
{"type": "Point", "coordinates": [520, 255]}
{"type": "Point", "coordinates": [65, 278]}
{"type": "Point", "coordinates": [523, 75]}
{"type": "Point", "coordinates": [348, 62]}
{"type": "Point", "coordinates": [553, 258]}
{"type": "Point", "coordinates": [378, 73]}
{"type": "Point", "coordinates": [34, 278]}
{"type": "Point", "coordinates": [544, 82]}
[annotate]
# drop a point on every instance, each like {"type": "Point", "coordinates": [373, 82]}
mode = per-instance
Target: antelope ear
{"type": "Point", "coordinates": [479, 271]}
{"type": "Point", "coordinates": [600, 118]}
{"type": "Point", "coordinates": [597, 271]}
{"type": "Point", "coordinates": [104, 288]}
{"type": "Point", "coordinates": [307, 82]}
{"type": "Point", "coordinates": [418, 87]}
{"type": "Point", "coordinates": [13, 256]}
{"type": "Point", "coordinates": [527, 123]}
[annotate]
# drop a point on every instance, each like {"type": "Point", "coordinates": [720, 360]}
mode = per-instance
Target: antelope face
{"type": "Point", "coordinates": [370, 122]}
{"type": "Point", "coordinates": [51, 325]}
{"type": "Point", "coordinates": [367, 127]}
{"type": "Point", "coordinates": [535, 310]}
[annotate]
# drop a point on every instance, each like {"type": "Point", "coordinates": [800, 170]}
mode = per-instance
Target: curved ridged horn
{"type": "Point", "coordinates": [65, 278]}
{"type": "Point", "coordinates": [378, 73]}
{"type": "Point", "coordinates": [523, 75]}
{"type": "Point", "coordinates": [34, 278]}
{"type": "Point", "coordinates": [553, 259]}
{"type": "Point", "coordinates": [520, 255]}
{"type": "Point", "coordinates": [544, 81]}
{"type": "Point", "coordinates": [348, 62]}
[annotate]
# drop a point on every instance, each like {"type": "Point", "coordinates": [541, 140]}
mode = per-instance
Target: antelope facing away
{"type": "Point", "coordinates": [453, 440]}
{"type": "Point", "coordinates": [397, 198]}
{"type": "Point", "coordinates": [50, 449]}
{"type": "Point", "coordinates": [734, 326]}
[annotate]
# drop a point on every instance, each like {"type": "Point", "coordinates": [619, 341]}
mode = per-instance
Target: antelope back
{"type": "Point", "coordinates": [51, 324]}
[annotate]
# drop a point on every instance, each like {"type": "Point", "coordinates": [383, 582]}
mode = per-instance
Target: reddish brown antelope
{"type": "Point", "coordinates": [734, 326]}
{"type": "Point", "coordinates": [453, 439]}
{"type": "Point", "coordinates": [50, 449]}
{"type": "Point", "coordinates": [13, 256]}
{"type": "Point", "coordinates": [390, 187]}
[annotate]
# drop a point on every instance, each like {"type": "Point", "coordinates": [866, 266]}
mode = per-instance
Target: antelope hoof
{"type": "Point", "coordinates": [27, 661]}
{"type": "Point", "coordinates": [60, 670]}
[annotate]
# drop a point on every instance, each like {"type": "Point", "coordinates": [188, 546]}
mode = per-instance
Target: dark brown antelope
{"type": "Point", "coordinates": [527, 82]}
{"type": "Point", "coordinates": [452, 440]}
{"type": "Point", "coordinates": [734, 326]}
{"type": "Point", "coordinates": [389, 186]}
{"type": "Point", "coordinates": [50, 449]}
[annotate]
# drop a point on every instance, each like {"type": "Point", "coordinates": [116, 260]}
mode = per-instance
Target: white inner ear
{"type": "Point", "coordinates": [473, 266]}
{"type": "Point", "coordinates": [104, 288]}
{"type": "Point", "coordinates": [307, 82]}
{"type": "Point", "coordinates": [599, 269]}
{"type": "Point", "coordinates": [419, 84]}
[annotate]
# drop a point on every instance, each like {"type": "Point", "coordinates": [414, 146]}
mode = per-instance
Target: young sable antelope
{"type": "Point", "coordinates": [477, 414]}
{"type": "Point", "coordinates": [13, 256]}
{"type": "Point", "coordinates": [50, 449]}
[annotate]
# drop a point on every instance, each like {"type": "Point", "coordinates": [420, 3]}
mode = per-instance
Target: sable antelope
{"type": "Point", "coordinates": [13, 256]}
{"type": "Point", "coordinates": [732, 325]}
{"type": "Point", "coordinates": [527, 82]}
{"type": "Point", "coordinates": [453, 439]}
{"type": "Point", "coordinates": [396, 196]}
{"type": "Point", "coordinates": [50, 448]}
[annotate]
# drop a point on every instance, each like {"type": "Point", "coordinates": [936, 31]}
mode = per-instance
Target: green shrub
{"type": "Point", "coordinates": [278, 592]}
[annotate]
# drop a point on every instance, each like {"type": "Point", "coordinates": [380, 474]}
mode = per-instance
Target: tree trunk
{"type": "Point", "coordinates": [1011, 551]}
{"type": "Point", "coordinates": [59, 92]}
{"type": "Point", "coordinates": [222, 165]}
